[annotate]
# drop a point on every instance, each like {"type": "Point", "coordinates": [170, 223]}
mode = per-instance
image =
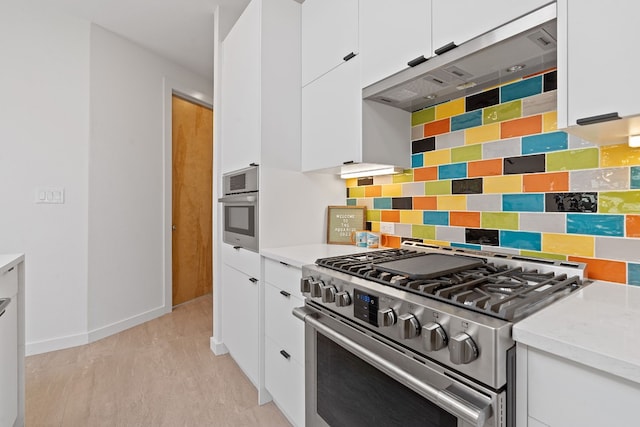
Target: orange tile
{"type": "Point", "coordinates": [633, 225]}
{"type": "Point", "coordinates": [603, 269]}
{"type": "Point", "coordinates": [436, 128]}
{"type": "Point", "coordinates": [373, 191]}
{"type": "Point", "coordinates": [464, 219]}
{"type": "Point", "coordinates": [545, 182]}
{"type": "Point", "coordinates": [520, 127]}
{"type": "Point", "coordinates": [425, 203]}
{"type": "Point", "coordinates": [389, 241]}
{"type": "Point", "coordinates": [485, 168]}
{"type": "Point", "coordinates": [390, 216]}
{"type": "Point", "coordinates": [425, 174]}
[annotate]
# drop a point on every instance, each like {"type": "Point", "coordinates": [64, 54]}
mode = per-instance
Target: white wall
{"type": "Point", "coordinates": [44, 129]}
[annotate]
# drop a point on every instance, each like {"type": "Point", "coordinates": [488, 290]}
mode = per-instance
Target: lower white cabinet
{"type": "Point", "coordinates": [284, 339]}
{"type": "Point", "coordinates": [11, 344]}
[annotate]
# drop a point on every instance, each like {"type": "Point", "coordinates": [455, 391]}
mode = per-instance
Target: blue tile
{"type": "Point", "coordinates": [521, 89]}
{"type": "Point", "coordinates": [544, 143]}
{"type": "Point", "coordinates": [351, 202]}
{"type": "Point", "coordinates": [467, 120]}
{"type": "Point", "coordinates": [382, 203]}
{"type": "Point", "coordinates": [521, 240]}
{"type": "Point", "coordinates": [523, 202]}
{"type": "Point", "coordinates": [452, 171]}
{"type": "Point", "coordinates": [466, 246]}
{"type": "Point", "coordinates": [596, 224]}
{"type": "Point", "coordinates": [417, 160]}
{"type": "Point", "coordinates": [435, 218]}
{"type": "Point", "coordinates": [635, 177]}
{"type": "Point", "coordinates": [633, 275]}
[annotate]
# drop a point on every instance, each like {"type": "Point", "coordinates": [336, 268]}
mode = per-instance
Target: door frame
{"type": "Point", "coordinates": [171, 87]}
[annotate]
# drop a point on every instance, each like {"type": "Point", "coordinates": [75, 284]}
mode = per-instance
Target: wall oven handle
{"type": "Point", "coordinates": [446, 399]}
{"type": "Point", "coordinates": [238, 198]}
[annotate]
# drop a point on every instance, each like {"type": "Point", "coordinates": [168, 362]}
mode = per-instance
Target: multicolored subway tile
{"type": "Point", "coordinates": [491, 171]}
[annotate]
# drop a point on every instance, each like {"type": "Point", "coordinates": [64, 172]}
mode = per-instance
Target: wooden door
{"type": "Point", "coordinates": [192, 140]}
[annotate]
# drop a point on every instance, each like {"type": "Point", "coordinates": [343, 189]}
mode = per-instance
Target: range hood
{"type": "Point", "coordinates": [519, 48]}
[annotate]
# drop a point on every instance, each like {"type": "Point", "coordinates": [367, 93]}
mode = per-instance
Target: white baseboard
{"type": "Point", "coordinates": [122, 325]}
{"type": "Point", "coordinates": [218, 347]}
{"type": "Point", "coordinates": [54, 344]}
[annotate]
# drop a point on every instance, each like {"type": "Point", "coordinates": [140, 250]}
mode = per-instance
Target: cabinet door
{"type": "Point", "coordinates": [329, 33]}
{"type": "Point", "coordinates": [280, 324]}
{"type": "Point", "coordinates": [391, 36]}
{"type": "Point", "coordinates": [240, 94]}
{"type": "Point", "coordinates": [284, 378]}
{"type": "Point", "coordinates": [240, 319]}
{"type": "Point", "coordinates": [331, 118]}
{"type": "Point", "coordinates": [460, 20]}
{"type": "Point", "coordinates": [9, 364]}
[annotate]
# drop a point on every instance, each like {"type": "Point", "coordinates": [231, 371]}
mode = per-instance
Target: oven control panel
{"type": "Point", "coordinates": [365, 307]}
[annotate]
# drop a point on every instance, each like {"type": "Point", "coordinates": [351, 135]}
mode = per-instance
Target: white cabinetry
{"type": "Point", "coordinates": [461, 20]}
{"type": "Point", "coordinates": [596, 71]}
{"type": "Point", "coordinates": [329, 34]}
{"type": "Point", "coordinates": [392, 35]}
{"type": "Point", "coordinates": [284, 339]}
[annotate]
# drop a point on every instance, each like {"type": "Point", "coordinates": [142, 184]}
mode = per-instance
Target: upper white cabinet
{"type": "Point", "coordinates": [329, 35]}
{"type": "Point", "coordinates": [393, 35]}
{"type": "Point", "coordinates": [596, 69]}
{"type": "Point", "coordinates": [460, 20]}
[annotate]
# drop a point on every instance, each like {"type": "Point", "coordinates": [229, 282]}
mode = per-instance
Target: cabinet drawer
{"type": "Point", "coordinates": [284, 378]}
{"type": "Point", "coordinates": [241, 259]}
{"type": "Point", "coordinates": [9, 283]}
{"type": "Point", "coordinates": [280, 324]}
{"type": "Point", "coordinates": [283, 276]}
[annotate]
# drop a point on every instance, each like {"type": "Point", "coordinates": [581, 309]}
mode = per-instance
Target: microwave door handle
{"type": "Point", "coordinates": [238, 199]}
{"type": "Point", "coordinates": [446, 399]}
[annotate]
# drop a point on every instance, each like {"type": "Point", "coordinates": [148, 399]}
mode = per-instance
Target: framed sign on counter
{"type": "Point", "coordinates": [342, 221]}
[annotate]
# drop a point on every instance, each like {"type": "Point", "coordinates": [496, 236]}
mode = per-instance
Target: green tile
{"type": "Point", "coordinates": [500, 220]}
{"type": "Point", "coordinates": [356, 192]}
{"type": "Point", "coordinates": [467, 153]}
{"type": "Point", "coordinates": [573, 159]}
{"type": "Point", "coordinates": [423, 232]}
{"type": "Point", "coordinates": [432, 188]}
{"type": "Point", "coordinates": [534, 254]}
{"type": "Point", "coordinates": [352, 202]}
{"type": "Point", "coordinates": [406, 176]}
{"type": "Point", "coordinates": [619, 202]}
{"type": "Point", "coordinates": [423, 116]}
{"type": "Point", "coordinates": [373, 215]}
{"type": "Point", "coordinates": [502, 112]}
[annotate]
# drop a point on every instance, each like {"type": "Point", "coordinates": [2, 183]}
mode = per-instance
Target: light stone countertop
{"type": "Point", "coordinates": [597, 326]}
{"type": "Point", "coordinates": [9, 260]}
{"type": "Point", "coordinates": [298, 256]}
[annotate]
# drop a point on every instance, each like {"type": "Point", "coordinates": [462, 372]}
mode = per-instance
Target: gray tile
{"type": "Point", "coordinates": [618, 248]}
{"type": "Point", "coordinates": [413, 189]}
{"type": "Point", "coordinates": [448, 140]}
{"type": "Point", "coordinates": [498, 249]}
{"type": "Point", "coordinates": [403, 230]}
{"type": "Point", "coordinates": [368, 202]}
{"type": "Point", "coordinates": [543, 222]}
{"type": "Point", "coordinates": [538, 104]}
{"type": "Point", "coordinates": [484, 202]}
{"type": "Point", "coordinates": [503, 148]}
{"type": "Point", "coordinates": [577, 142]}
{"type": "Point", "coordinates": [599, 179]}
{"type": "Point", "coordinates": [450, 234]}
{"type": "Point", "coordinates": [417, 132]}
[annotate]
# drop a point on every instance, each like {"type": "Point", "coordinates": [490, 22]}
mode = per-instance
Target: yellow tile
{"type": "Point", "coordinates": [451, 108]}
{"type": "Point", "coordinates": [482, 134]}
{"type": "Point", "coordinates": [503, 184]}
{"type": "Point", "coordinates": [392, 190]}
{"type": "Point", "coordinates": [351, 182]}
{"type": "Point", "coordinates": [568, 244]}
{"type": "Point", "coordinates": [406, 176]}
{"type": "Point", "coordinates": [452, 203]}
{"type": "Point", "coordinates": [410, 217]}
{"type": "Point", "coordinates": [619, 155]}
{"type": "Point", "coordinates": [375, 226]}
{"type": "Point", "coordinates": [550, 121]}
{"type": "Point", "coordinates": [437, 242]}
{"type": "Point", "coordinates": [355, 192]}
{"type": "Point", "coordinates": [437, 157]}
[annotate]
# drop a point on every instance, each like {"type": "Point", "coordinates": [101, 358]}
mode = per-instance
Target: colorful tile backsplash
{"type": "Point", "coordinates": [491, 171]}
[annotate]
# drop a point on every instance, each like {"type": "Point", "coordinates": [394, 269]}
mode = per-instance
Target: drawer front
{"type": "Point", "coordinates": [280, 324]}
{"type": "Point", "coordinates": [241, 259]}
{"type": "Point", "coordinates": [9, 283]}
{"type": "Point", "coordinates": [284, 276]}
{"type": "Point", "coordinates": [284, 378]}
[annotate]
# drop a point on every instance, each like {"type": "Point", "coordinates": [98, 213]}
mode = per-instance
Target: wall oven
{"type": "Point", "coordinates": [240, 208]}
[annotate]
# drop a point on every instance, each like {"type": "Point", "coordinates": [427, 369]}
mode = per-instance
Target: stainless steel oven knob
{"type": "Point", "coordinates": [409, 326]}
{"type": "Point", "coordinates": [343, 299]}
{"type": "Point", "coordinates": [305, 284]}
{"type": "Point", "coordinates": [462, 349]}
{"type": "Point", "coordinates": [386, 317]}
{"type": "Point", "coordinates": [328, 293]}
{"type": "Point", "coordinates": [434, 337]}
{"type": "Point", "coordinates": [316, 288]}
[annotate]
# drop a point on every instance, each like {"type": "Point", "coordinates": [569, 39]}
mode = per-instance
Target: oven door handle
{"type": "Point", "coordinates": [446, 399]}
{"type": "Point", "coordinates": [239, 198]}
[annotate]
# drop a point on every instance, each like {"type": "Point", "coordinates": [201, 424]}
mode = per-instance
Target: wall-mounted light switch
{"type": "Point", "coordinates": [50, 195]}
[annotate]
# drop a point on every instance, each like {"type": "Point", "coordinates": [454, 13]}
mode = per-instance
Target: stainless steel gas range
{"type": "Point", "coordinates": [420, 336]}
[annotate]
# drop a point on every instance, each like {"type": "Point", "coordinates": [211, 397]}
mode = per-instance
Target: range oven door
{"type": "Point", "coordinates": [240, 214]}
{"type": "Point", "coordinates": [353, 379]}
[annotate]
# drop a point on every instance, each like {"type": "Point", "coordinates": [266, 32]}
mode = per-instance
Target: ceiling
{"type": "Point", "coordinates": [179, 30]}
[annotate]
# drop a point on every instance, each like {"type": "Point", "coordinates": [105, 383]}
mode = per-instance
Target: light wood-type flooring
{"type": "Point", "coordinates": [160, 373]}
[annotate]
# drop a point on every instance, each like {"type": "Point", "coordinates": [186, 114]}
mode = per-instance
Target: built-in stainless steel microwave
{"type": "Point", "coordinates": [240, 208]}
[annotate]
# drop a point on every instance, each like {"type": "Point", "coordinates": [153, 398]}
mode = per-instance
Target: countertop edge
{"type": "Point", "coordinates": [300, 255]}
{"type": "Point", "coordinates": [8, 261]}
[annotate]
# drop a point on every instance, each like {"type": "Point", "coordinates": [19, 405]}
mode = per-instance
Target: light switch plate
{"type": "Point", "coordinates": [49, 195]}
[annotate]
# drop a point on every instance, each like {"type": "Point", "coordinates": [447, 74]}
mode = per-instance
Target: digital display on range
{"type": "Point", "coordinates": [365, 307]}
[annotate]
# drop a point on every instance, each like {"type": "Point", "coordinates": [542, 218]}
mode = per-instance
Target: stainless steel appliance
{"type": "Point", "coordinates": [420, 336]}
{"type": "Point", "coordinates": [240, 208]}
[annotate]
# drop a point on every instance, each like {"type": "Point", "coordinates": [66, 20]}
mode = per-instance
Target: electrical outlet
{"type": "Point", "coordinates": [387, 228]}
